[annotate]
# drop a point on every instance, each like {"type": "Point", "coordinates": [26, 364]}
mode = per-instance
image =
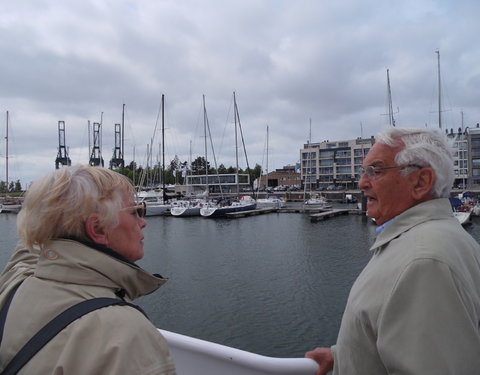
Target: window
{"type": "Point", "coordinates": [343, 169]}
{"type": "Point", "coordinates": [326, 154]}
{"type": "Point", "coordinates": [344, 153]}
{"type": "Point", "coordinates": [325, 171]}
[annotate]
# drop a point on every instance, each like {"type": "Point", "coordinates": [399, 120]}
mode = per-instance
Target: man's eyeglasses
{"type": "Point", "coordinates": [373, 172]}
{"type": "Point", "coordinates": [139, 209]}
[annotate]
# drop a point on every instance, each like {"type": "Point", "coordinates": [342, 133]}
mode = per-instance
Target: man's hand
{"type": "Point", "coordinates": [324, 358]}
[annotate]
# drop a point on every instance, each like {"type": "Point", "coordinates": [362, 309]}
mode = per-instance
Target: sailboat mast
{"type": "Point", "coordinates": [190, 164]}
{"type": "Point", "coordinates": [6, 157]}
{"type": "Point", "coordinates": [309, 164]}
{"type": "Point", "coordinates": [235, 111]}
{"type": "Point", "coordinates": [266, 171]}
{"type": "Point", "coordinates": [391, 120]}
{"type": "Point", "coordinates": [163, 149]}
{"type": "Point", "coordinates": [439, 91]}
{"type": "Point", "coordinates": [123, 136]}
{"type": "Point", "coordinates": [206, 148]}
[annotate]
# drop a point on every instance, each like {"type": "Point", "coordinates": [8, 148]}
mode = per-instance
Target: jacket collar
{"type": "Point", "coordinates": [435, 209]}
{"type": "Point", "coordinates": [71, 261]}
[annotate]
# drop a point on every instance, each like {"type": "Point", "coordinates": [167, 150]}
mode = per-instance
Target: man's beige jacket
{"type": "Point", "coordinates": [415, 308]}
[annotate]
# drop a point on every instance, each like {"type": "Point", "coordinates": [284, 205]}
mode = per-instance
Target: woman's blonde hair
{"type": "Point", "coordinates": [58, 204]}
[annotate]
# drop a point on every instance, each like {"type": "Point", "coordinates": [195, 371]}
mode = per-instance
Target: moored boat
{"type": "Point", "coordinates": [154, 203]}
{"type": "Point", "coordinates": [317, 201]}
{"type": "Point", "coordinates": [270, 202]}
{"type": "Point", "coordinates": [224, 207]}
{"type": "Point", "coordinates": [10, 205]}
{"type": "Point", "coordinates": [187, 208]}
{"type": "Point", "coordinates": [462, 212]}
{"type": "Point", "coordinates": [464, 217]}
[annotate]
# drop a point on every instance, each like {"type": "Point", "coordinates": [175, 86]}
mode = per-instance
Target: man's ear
{"type": "Point", "coordinates": [424, 181]}
{"type": "Point", "coordinates": [94, 230]}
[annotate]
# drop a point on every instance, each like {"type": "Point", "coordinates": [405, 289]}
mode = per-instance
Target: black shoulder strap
{"type": "Point", "coordinates": [4, 311]}
{"type": "Point", "coordinates": [52, 328]}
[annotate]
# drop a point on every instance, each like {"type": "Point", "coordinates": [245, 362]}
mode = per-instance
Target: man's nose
{"type": "Point", "coordinates": [363, 182]}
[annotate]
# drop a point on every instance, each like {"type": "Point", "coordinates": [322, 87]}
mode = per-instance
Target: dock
{"type": "Point", "coordinates": [302, 209]}
{"type": "Point", "coordinates": [328, 214]}
{"type": "Point", "coordinates": [316, 214]}
{"type": "Point", "coordinates": [258, 211]}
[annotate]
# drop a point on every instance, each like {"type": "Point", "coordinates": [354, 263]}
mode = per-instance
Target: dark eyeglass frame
{"type": "Point", "coordinates": [140, 209]}
{"type": "Point", "coordinates": [373, 172]}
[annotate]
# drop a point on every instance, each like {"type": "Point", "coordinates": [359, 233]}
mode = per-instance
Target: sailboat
{"type": "Point", "coordinates": [8, 204]}
{"type": "Point", "coordinates": [192, 207]}
{"type": "Point", "coordinates": [463, 216]}
{"type": "Point", "coordinates": [155, 201]}
{"type": "Point", "coordinates": [225, 206]}
{"type": "Point", "coordinates": [269, 201]}
{"type": "Point", "coordinates": [315, 200]}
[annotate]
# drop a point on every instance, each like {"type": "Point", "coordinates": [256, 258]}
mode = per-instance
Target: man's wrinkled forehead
{"type": "Point", "coordinates": [382, 153]}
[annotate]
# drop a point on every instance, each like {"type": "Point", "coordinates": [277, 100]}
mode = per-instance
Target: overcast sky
{"type": "Point", "coordinates": [287, 61]}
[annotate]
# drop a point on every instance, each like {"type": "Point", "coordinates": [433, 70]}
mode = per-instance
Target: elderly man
{"type": "Point", "coordinates": [415, 308]}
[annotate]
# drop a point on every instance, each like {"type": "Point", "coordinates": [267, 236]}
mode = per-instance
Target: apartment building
{"type": "Point", "coordinates": [473, 167]}
{"type": "Point", "coordinates": [333, 164]}
{"type": "Point", "coordinates": [460, 145]}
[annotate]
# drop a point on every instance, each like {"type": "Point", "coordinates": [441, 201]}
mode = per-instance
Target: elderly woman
{"type": "Point", "coordinates": [80, 234]}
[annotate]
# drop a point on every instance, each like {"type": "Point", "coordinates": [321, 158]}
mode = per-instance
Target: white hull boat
{"type": "Point", "coordinates": [187, 208]}
{"type": "Point", "coordinates": [476, 209]}
{"type": "Point", "coordinates": [316, 201]}
{"type": "Point", "coordinates": [195, 356]}
{"type": "Point", "coordinates": [13, 208]}
{"type": "Point", "coordinates": [154, 205]}
{"type": "Point", "coordinates": [270, 203]}
{"type": "Point", "coordinates": [463, 218]}
{"type": "Point", "coordinates": [156, 209]}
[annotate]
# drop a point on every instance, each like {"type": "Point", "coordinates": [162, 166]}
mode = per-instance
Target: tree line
{"type": "Point", "coordinates": [176, 171]}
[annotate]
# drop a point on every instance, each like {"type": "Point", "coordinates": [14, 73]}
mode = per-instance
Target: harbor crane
{"type": "Point", "coordinates": [96, 159]}
{"type": "Point", "coordinates": [117, 160]}
{"type": "Point", "coordinates": [62, 157]}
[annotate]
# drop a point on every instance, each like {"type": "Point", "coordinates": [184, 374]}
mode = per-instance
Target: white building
{"type": "Point", "coordinates": [331, 163]}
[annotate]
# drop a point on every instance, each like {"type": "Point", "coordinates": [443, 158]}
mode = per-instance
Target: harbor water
{"type": "Point", "coordinates": [273, 284]}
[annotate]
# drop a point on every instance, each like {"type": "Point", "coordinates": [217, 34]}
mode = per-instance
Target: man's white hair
{"type": "Point", "coordinates": [423, 147]}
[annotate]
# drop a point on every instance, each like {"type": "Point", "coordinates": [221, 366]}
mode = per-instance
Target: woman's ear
{"type": "Point", "coordinates": [95, 231]}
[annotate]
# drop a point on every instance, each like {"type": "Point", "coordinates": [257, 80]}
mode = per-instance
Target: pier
{"type": "Point", "coordinates": [316, 214]}
{"type": "Point", "coordinates": [258, 211]}
{"type": "Point", "coordinates": [328, 214]}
